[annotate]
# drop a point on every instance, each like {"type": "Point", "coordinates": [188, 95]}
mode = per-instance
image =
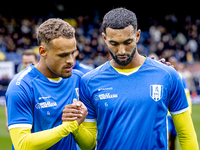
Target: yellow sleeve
{"type": "Point", "coordinates": [86, 135]}
{"type": "Point", "coordinates": [23, 139]}
{"type": "Point", "coordinates": [185, 130]}
{"type": "Point", "coordinates": [187, 93]}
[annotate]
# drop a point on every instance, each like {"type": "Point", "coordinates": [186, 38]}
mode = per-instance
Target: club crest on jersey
{"type": "Point", "coordinates": [156, 92]}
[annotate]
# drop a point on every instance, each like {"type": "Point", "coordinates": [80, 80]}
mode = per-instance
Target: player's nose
{"type": "Point", "coordinates": [121, 50]}
{"type": "Point", "coordinates": [70, 59]}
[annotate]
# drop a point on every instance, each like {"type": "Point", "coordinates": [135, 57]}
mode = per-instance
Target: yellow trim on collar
{"type": "Point", "coordinates": [126, 70]}
{"type": "Point", "coordinates": [55, 79]}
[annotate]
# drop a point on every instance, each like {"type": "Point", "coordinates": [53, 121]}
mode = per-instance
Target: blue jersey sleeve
{"type": "Point", "coordinates": [85, 98]}
{"type": "Point", "coordinates": [184, 83]}
{"type": "Point", "coordinates": [178, 101]}
{"type": "Point", "coordinates": [19, 106]}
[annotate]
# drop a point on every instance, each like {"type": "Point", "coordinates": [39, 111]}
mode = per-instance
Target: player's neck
{"type": "Point", "coordinates": [41, 67]}
{"type": "Point", "coordinates": [137, 61]}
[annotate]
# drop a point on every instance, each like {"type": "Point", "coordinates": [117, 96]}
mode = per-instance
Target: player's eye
{"type": "Point", "coordinates": [128, 42]}
{"type": "Point", "coordinates": [64, 55]}
{"type": "Point", "coordinates": [114, 43]}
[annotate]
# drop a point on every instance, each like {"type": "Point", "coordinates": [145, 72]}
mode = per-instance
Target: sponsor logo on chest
{"type": "Point", "coordinates": [45, 104]}
{"type": "Point", "coordinates": [105, 96]}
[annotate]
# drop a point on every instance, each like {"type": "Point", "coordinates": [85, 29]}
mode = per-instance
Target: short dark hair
{"type": "Point", "coordinates": [119, 18]}
{"type": "Point", "coordinates": [54, 28]}
{"type": "Point", "coordinates": [29, 52]}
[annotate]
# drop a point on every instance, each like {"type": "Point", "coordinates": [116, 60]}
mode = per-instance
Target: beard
{"type": "Point", "coordinates": [66, 75]}
{"type": "Point", "coordinates": [60, 73]}
{"type": "Point", "coordinates": [126, 62]}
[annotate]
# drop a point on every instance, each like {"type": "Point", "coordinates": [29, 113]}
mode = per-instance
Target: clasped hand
{"type": "Point", "coordinates": [76, 111]}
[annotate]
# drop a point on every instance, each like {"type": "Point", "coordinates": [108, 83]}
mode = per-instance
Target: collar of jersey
{"type": "Point", "coordinates": [55, 80]}
{"type": "Point", "coordinates": [126, 71]}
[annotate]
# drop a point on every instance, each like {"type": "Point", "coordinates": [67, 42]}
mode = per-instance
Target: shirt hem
{"type": "Point", "coordinates": [90, 120]}
{"type": "Point", "coordinates": [179, 111]}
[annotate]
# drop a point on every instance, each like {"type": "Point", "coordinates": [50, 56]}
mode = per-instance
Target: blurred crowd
{"type": "Point", "coordinates": [173, 38]}
{"type": "Point", "coordinates": [169, 37]}
{"type": "Point", "coordinates": [17, 35]}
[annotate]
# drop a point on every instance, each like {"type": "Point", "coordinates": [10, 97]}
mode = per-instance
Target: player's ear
{"type": "Point", "coordinates": [138, 35]}
{"type": "Point", "coordinates": [104, 36]}
{"type": "Point", "coordinates": [43, 51]}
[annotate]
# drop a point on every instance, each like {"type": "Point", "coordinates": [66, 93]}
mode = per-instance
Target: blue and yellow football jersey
{"type": "Point", "coordinates": [81, 67]}
{"type": "Point", "coordinates": [131, 110]}
{"type": "Point", "coordinates": [35, 101]}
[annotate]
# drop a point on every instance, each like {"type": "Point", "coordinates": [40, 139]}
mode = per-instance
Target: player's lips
{"type": "Point", "coordinates": [122, 58]}
{"type": "Point", "coordinates": [68, 68]}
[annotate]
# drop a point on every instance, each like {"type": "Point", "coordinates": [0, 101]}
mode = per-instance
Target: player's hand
{"type": "Point", "coordinates": [162, 60]}
{"type": "Point", "coordinates": [76, 111]}
{"type": "Point", "coordinates": [83, 109]}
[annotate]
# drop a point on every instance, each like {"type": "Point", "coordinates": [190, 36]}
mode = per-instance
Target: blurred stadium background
{"type": "Point", "coordinates": [168, 29]}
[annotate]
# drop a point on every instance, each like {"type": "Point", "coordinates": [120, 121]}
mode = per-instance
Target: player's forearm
{"type": "Point", "coordinates": [86, 135]}
{"type": "Point", "coordinates": [185, 130]}
{"type": "Point", "coordinates": [23, 139]}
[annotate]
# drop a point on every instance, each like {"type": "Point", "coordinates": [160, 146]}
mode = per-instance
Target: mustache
{"type": "Point", "coordinates": [123, 55]}
{"type": "Point", "coordinates": [68, 65]}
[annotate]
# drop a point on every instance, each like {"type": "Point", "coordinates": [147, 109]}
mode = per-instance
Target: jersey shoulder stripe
{"type": "Point", "coordinates": [22, 80]}
{"type": "Point", "coordinates": [170, 71]}
{"type": "Point", "coordinates": [160, 66]}
{"type": "Point", "coordinates": [77, 72]}
{"type": "Point", "coordinates": [88, 76]}
{"type": "Point", "coordinates": [23, 74]}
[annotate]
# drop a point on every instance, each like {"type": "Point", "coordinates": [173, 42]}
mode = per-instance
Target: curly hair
{"type": "Point", "coordinates": [54, 28]}
{"type": "Point", "coordinates": [119, 18]}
